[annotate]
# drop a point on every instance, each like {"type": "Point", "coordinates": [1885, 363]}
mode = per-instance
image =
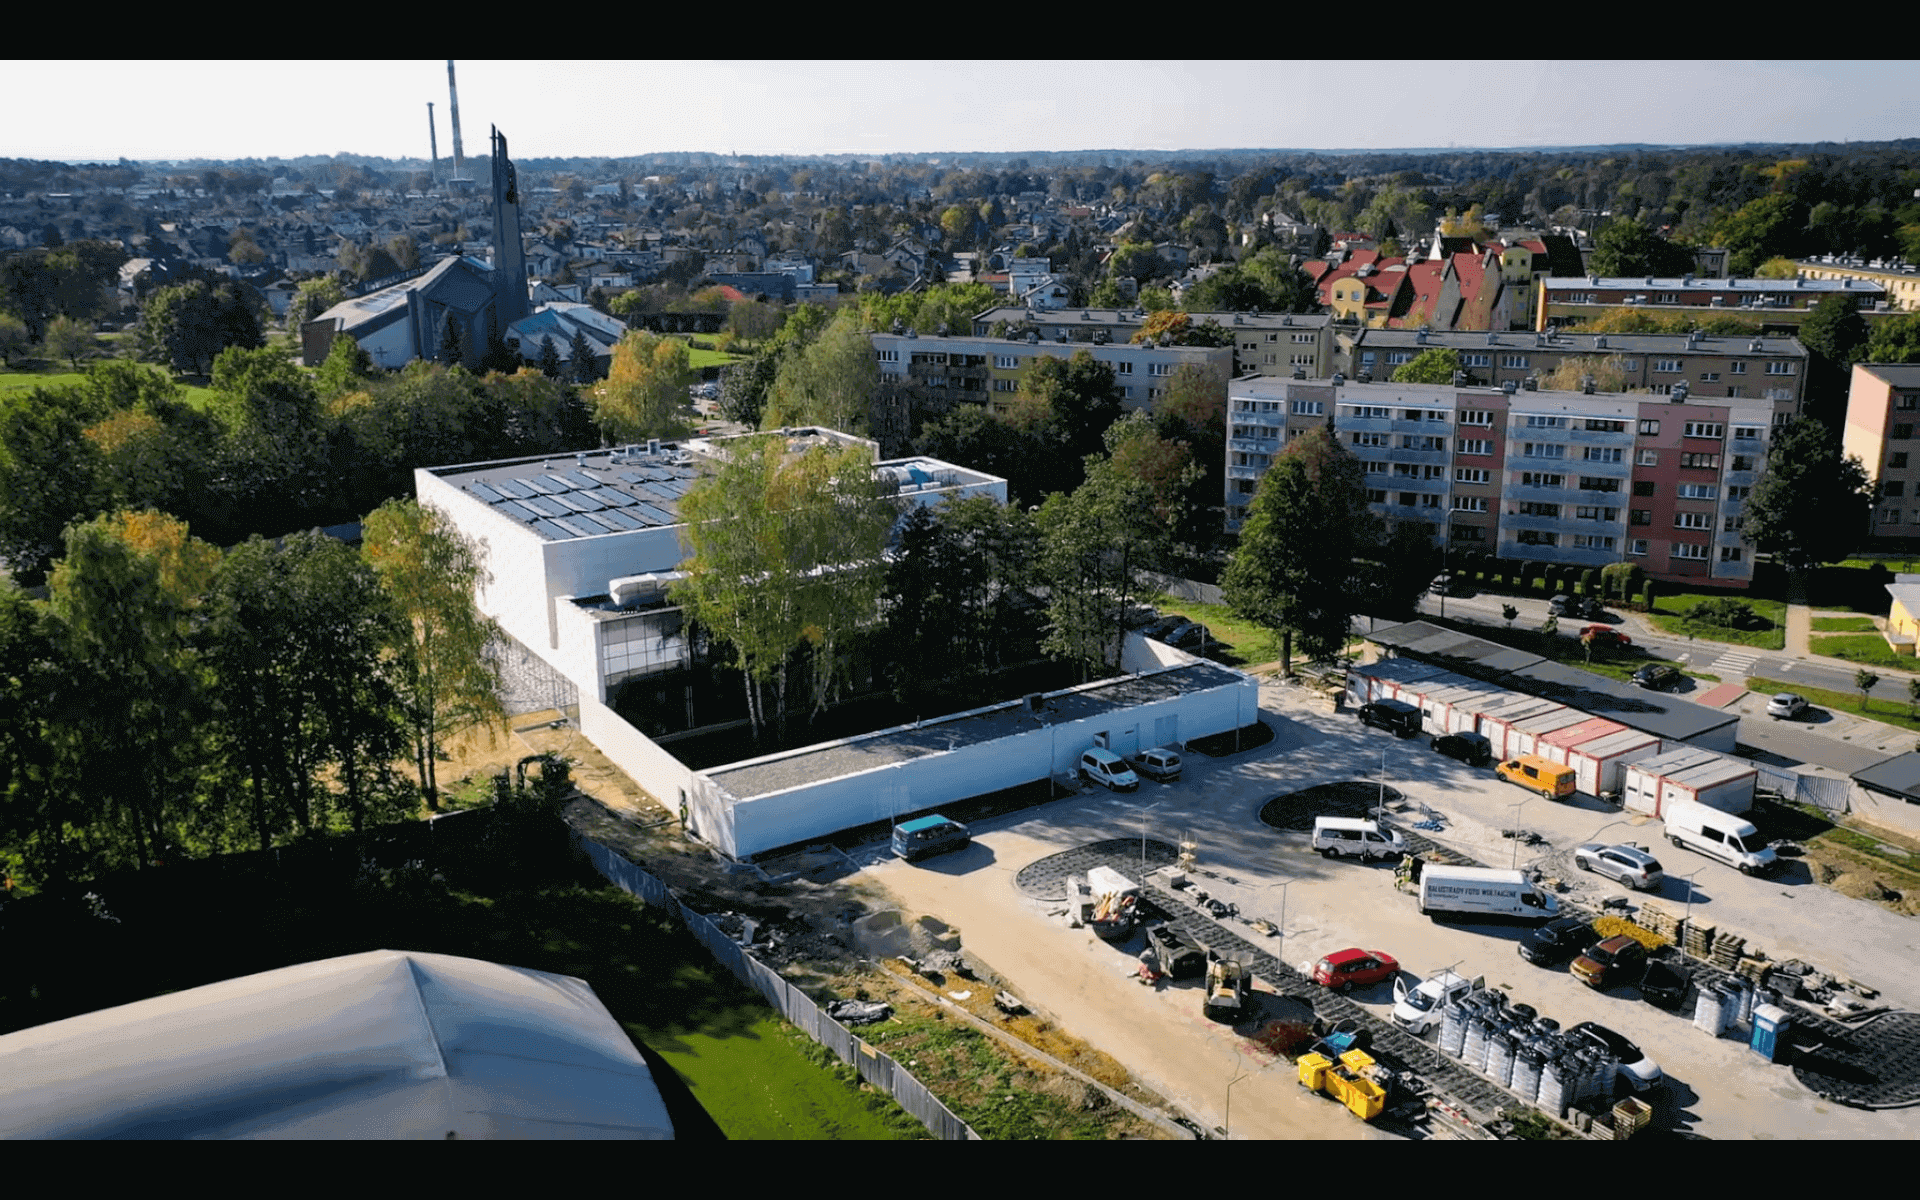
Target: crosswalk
{"type": "Point", "coordinates": [1734, 664]}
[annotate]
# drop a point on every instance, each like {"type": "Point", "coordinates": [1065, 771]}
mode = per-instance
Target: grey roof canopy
{"type": "Point", "coordinates": [382, 1045]}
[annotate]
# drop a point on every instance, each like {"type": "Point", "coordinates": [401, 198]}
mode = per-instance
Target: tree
{"type": "Point", "coordinates": [50, 475]}
{"type": "Point", "coordinates": [348, 366]}
{"type": "Point", "coordinates": [830, 382]}
{"type": "Point", "coordinates": [1293, 572]}
{"type": "Point", "coordinates": [313, 297]}
{"type": "Point", "coordinates": [1810, 504]}
{"type": "Point", "coordinates": [784, 552]}
{"type": "Point", "coordinates": [1777, 267]}
{"type": "Point", "coordinates": [1913, 696]}
{"type": "Point", "coordinates": [1625, 246]}
{"type": "Point", "coordinates": [189, 324]}
{"type": "Point", "coordinates": [743, 388]}
{"type": "Point", "coordinates": [447, 681]}
{"type": "Point", "coordinates": [1429, 366]}
{"type": "Point", "coordinates": [645, 389]}
{"type": "Point", "coordinates": [1864, 681]}
{"type": "Point", "coordinates": [549, 357]}
{"type": "Point", "coordinates": [1509, 614]}
{"type": "Point", "coordinates": [1608, 372]}
{"type": "Point", "coordinates": [70, 339]}
{"type": "Point", "coordinates": [1834, 334]}
{"type": "Point", "coordinates": [13, 338]}
{"type": "Point", "coordinates": [1081, 393]}
{"type": "Point", "coordinates": [453, 343]}
{"type": "Point", "coordinates": [582, 359]}
{"type": "Point", "coordinates": [1894, 340]}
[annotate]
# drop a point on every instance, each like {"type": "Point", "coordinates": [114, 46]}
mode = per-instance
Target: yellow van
{"type": "Point", "coordinates": [1550, 779]}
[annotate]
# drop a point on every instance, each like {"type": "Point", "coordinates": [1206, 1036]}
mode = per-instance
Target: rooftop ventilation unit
{"type": "Point", "coordinates": [653, 446]}
{"type": "Point", "coordinates": [1507, 387]}
{"type": "Point", "coordinates": [1532, 384]}
{"type": "Point", "coordinates": [1338, 379]}
{"type": "Point", "coordinates": [1420, 337]}
{"type": "Point", "coordinates": [1299, 373]}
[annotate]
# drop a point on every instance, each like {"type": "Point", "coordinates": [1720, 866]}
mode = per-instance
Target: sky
{"type": "Point", "coordinates": [237, 109]}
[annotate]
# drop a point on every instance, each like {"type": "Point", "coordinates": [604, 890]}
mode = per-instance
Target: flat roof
{"type": "Point", "coordinates": [1695, 767]}
{"type": "Point", "coordinates": [851, 756]}
{"type": "Point", "coordinates": [1674, 283]}
{"type": "Point", "coordinates": [585, 494]}
{"type": "Point", "coordinates": [1897, 374]}
{"type": "Point", "coordinates": [1897, 776]}
{"type": "Point", "coordinates": [1586, 343]}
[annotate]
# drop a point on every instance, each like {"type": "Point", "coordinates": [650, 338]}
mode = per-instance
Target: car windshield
{"type": "Point", "coordinates": [1753, 843]}
{"type": "Point", "coordinates": [1421, 1000]}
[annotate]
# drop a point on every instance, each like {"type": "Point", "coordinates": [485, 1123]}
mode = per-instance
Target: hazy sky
{"type": "Point", "coordinates": [182, 109]}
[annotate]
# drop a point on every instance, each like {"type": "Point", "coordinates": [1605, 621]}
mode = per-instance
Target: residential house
{"type": "Point", "coordinates": [1883, 411]}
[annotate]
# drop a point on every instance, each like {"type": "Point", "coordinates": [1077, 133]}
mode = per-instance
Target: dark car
{"type": "Point", "coordinates": [1557, 941]}
{"type": "Point", "coordinates": [1616, 960]}
{"type": "Point", "coordinates": [1655, 677]}
{"type": "Point", "coordinates": [1664, 986]}
{"type": "Point", "coordinates": [1180, 956]}
{"type": "Point", "coordinates": [1193, 637]}
{"type": "Point", "coordinates": [1569, 606]}
{"type": "Point", "coordinates": [1469, 748]}
{"type": "Point", "coordinates": [1399, 716]}
{"type": "Point", "coordinates": [1159, 629]}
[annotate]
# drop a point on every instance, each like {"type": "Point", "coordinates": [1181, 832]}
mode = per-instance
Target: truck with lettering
{"type": "Point", "coordinates": [1487, 892]}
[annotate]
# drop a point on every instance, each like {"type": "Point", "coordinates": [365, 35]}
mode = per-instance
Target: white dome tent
{"type": "Point", "coordinates": [385, 1044]}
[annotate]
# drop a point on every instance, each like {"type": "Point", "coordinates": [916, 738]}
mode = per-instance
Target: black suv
{"type": "Point", "coordinates": [1399, 716]}
{"type": "Point", "coordinates": [1470, 748]}
{"type": "Point", "coordinates": [1557, 941]}
{"type": "Point", "coordinates": [1655, 677]}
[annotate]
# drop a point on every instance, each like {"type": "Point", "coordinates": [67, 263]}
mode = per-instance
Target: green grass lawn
{"type": "Point", "coordinates": [1887, 712]}
{"type": "Point", "coordinates": [701, 359]}
{"type": "Point", "coordinates": [24, 380]}
{"type": "Point", "coordinates": [1869, 649]}
{"type": "Point", "coordinates": [1247, 644]}
{"type": "Point", "coordinates": [1669, 615]}
{"type": "Point", "coordinates": [1844, 625]}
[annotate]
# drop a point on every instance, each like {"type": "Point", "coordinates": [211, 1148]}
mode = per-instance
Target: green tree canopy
{"type": "Point", "coordinates": [645, 388]}
{"type": "Point", "coordinates": [1436, 365]}
{"type": "Point", "coordinates": [1810, 505]}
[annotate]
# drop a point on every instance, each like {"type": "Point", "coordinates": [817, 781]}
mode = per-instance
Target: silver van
{"type": "Point", "coordinates": [1351, 837]}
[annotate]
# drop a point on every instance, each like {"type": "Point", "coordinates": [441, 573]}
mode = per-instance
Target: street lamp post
{"type": "Point", "coordinates": [1516, 830]}
{"type": "Point", "coordinates": [1143, 836]}
{"type": "Point", "coordinates": [1689, 878]}
{"type": "Point", "coordinates": [1282, 885]}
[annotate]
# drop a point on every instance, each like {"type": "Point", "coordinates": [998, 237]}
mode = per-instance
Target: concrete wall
{"type": "Point", "coordinates": [745, 827]}
{"type": "Point", "coordinates": [664, 777]}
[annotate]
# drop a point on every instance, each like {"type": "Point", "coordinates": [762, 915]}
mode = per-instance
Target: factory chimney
{"type": "Point", "coordinates": [433, 146]}
{"type": "Point", "coordinates": [453, 99]}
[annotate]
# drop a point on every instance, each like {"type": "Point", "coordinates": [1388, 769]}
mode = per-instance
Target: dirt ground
{"type": "Point", "coordinates": [819, 948]}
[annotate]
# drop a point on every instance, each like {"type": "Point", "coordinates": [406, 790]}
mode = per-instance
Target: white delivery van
{"type": "Point", "coordinates": [1418, 1009]}
{"type": "Point", "coordinates": [1349, 837]}
{"type": "Point", "coordinates": [1483, 892]}
{"type": "Point", "coordinates": [1719, 835]}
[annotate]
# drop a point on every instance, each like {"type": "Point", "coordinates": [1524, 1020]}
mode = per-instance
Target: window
{"type": "Point", "coordinates": [1435, 414]}
{"type": "Point", "coordinates": [1300, 360]}
{"type": "Point", "coordinates": [1369, 412]}
{"type": "Point", "coordinates": [1606, 426]}
{"type": "Point", "coordinates": [1742, 462]}
{"type": "Point", "coordinates": [1409, 499]}
{"type": "Point", "coordinates": [1641, 516]}
{"type": "Point", "coordinates": [1123, 368]}
{"type": "Point", "coordinates": [1469, 533]}
{"type": "Point", "coordinates": [887, 355]}
{"type": "Point", "coordinates": [1709, 377]}
{"type": "Point", "coordinates": [1006, 362]}
{"type": "Point", "coordinates": [1413, 442]}
{"type": "Point", "coordinates": [1375, 468]}
{"type": "Point", "coordinates": [1693, 520]}
{"type": "Point", "coordinates": [1535, 537]}
{"type": "Point", "coordinates": [1476, 360]}
{"type": "Point", "coordinates": [1649, 458]}
{"type": "Point", "coordinates": [1590, 483]}
{"type": "Point", "coordinates": [1695, 491]}
{"type": "Point", "coordinates": [1370, 439]}
{"type": "Point", "coordinates": [1273, 337]}
{"type": "Point", "coordinates": [1309, 408]}
{"type": "Point", "coordinates": [1397, 357]}
{"type": "Point", "coordinates": [1471, 475]}
{"type": "Point", "coordinates": [1668, 366]}
{"type": "Point", "coordinates": [1433, 472]}
{"type": "Point", "coordinates": [1630, 366]}
{"type": "Point", "coordinates": [1705, 429]}
{"type": "Point", "coordinates": [1534, 422]}
{"type": "Point", "coordinates": [1006, 385]}
{"type": "Point", "coordinates": [1159, 368]}
{"type": "Point", "coordinates": [1736, 368]}
{"type": "Point", "coordinates": [1588, 512]}
{"type": "Point", "coordinates": [1306, 338]}
{"type": "Point", "coordinates": [1746, 433]}
{"type": "Point", "coordinates": [1730, 554]}
{"type": "Point", "coordinates": [1592, 541]}
{"type": "Point", "coordinates": [1893, 488]}
{"type": "Point", "coordinates": [1689, 550]}
{"type": "Point", "coordinates": [1409, 414]}
{"type": "Point", "coordinates": [1429, 500]}
{"type": "Point", "coordinates": [1533, 508]}
{"type": "Point", "coordinates": [1637, 546]}
{"type": "Point", "coordinates": [1475, 416]}
{"type": "Point", "coordinates": [1898, 459]}
{"type": "Point", "coordinates": [1644, 487]}
{"type": "Point", "coordinates": [1890, 517]}
{"type": "Point", "coordinates": [1376, 496]}
{"type": "Point", "coordinates": [1540, 479]}
{"type": "Point", "coordinates": [1469, 504]}
{"type": "Point", "coordinates": [1733, 524]}
{"type": "Point", "coordinates": [1700, 461]}
{"type": "Point", "coordinates": [1735, 494]}
{"type": "Point", "coordinates": [1649, 428]}
{"type": "Point", "coordinates": [1604, 454]}
{"type": "Point", "coordinates": [1473, 446]}
{"type": "Point", "coordinates": [1779, 368]}
{"type": "Point", "coordinates": [1516, 361]}
{"type": "Point", "coordinates": [1543, 450]}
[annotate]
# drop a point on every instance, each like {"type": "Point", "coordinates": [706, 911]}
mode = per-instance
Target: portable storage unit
{"type": "Point", "coordinates": [1386, 679]}
{"type": "Point", "coordinates": [1599, 751]}
{"type": "Point", "coordinates": [1530, 731]}
{"type": "Point", "coordinates": [1457, 709]}
{"type": "Point", "coordinates": [1498, 723]}
{"type": "Point", "coordinates": [1700, 776]}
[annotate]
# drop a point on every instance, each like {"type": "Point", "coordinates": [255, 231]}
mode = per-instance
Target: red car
{"type": "Point", "coordinates": [1606, 635]}
{"type": "Point", "coordinates": [1344, 970]}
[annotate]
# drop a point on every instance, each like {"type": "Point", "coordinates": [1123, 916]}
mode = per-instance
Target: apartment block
{"type": "Point", "coordinates": [1263, 343]}
{"type": "Point", "coordinates": [1883, 410]}
{"type": "Point", "coordinates": [1773, 369]}
{"type": "Point", "coordinates": [923, 377]}
{"type": "Point", "coordinates": [1900, 279]}
{"type": "Point", "coordinates": [1778, 304]}
{"type": "Point", "coordinates": [1552, 477]}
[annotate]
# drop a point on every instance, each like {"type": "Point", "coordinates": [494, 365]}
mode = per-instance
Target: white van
{"type": "Point", "coordinates": [1719, 835]}
{"type": "Point", "coordinates": [1336, 837]}
{"type": "Point", "coordinates": [1482, 892]}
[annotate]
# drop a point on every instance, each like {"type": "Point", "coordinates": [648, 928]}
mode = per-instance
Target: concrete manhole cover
{"type": "Point", "coordinates": [1348, 798]}
{"type": "Point", "coordinates": [1875, 1065]}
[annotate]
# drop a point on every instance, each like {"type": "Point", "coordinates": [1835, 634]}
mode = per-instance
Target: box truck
{"type": "Point", "coordinates": [1483, 892]}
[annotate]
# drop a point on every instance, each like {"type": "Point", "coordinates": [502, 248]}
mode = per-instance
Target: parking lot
{"type": "Point", "coordinates": [1715, 1087]}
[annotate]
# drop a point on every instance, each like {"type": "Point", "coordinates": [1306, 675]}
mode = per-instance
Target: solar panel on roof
{"type": "Point", "coordinates": [545, 507]}
{"type": "Point", "coordinates": [579, 527]}
{"type": "Point", "coordinates": [612, 497]}
{"type": "Point", "coordinates": [659, 491]}
{"type": "Point", "coordinates": [521, 509]}
{"type": "Point", "coordinates": [553, 531]}
{"type": "Point", "coordinates": [513, 488]}
{"type": "Point", "coordinates": [619, 519]}
{"type": "Point", "coordinates": [485, 493]}
{"type": "Point", "coordinates": [578, 501]}
{"type": "Point", "coordinates": [632, 477]}
{"type": "Point", "coordinates": [538, 485]}
{"type": "Point", "coordinates": [656, 516]}
{"type": "Point", "coordinates": [560, 482]}
{"type": "Point", "coordinates": [677, 486]}
{"type": "Point", "coordinates": [581, 479]}
{"type": "Point", "coordinates": [594, 520]}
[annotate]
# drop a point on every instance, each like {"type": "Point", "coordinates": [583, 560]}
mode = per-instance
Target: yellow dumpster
{"type": "Point", "coordinates": [1351, 1085]}
{"type": "Point", "coordinates": [1357, 1061]}
{"type": "Point", "coordinates": [1313, 1071]}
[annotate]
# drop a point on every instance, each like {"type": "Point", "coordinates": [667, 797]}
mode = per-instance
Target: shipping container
{"type": "Point", "coordinates": [1599, 752]}
{"type": "Point", "coordinates": [1497, 722]}
{"type": "Point", "coordinates": [1689, 775]}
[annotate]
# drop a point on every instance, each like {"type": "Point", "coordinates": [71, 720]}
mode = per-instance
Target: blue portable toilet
{"type": "Point", "coordinates": [1770, 1023]}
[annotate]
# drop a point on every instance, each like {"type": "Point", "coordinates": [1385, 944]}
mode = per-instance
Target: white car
{"type": "Point", "coordinates": [1418, 1009]}
{"type": "Point", "coordinates": [1786, 705]}
{"type": "Point", "coordinates": [1637, 1070]}
{"type": "Point", "coordinates": [1629, 864]}
{"type": "Point", "coordinates": [1107, 769]}
{"type": "Point", "coordinates": [1158, 763]}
